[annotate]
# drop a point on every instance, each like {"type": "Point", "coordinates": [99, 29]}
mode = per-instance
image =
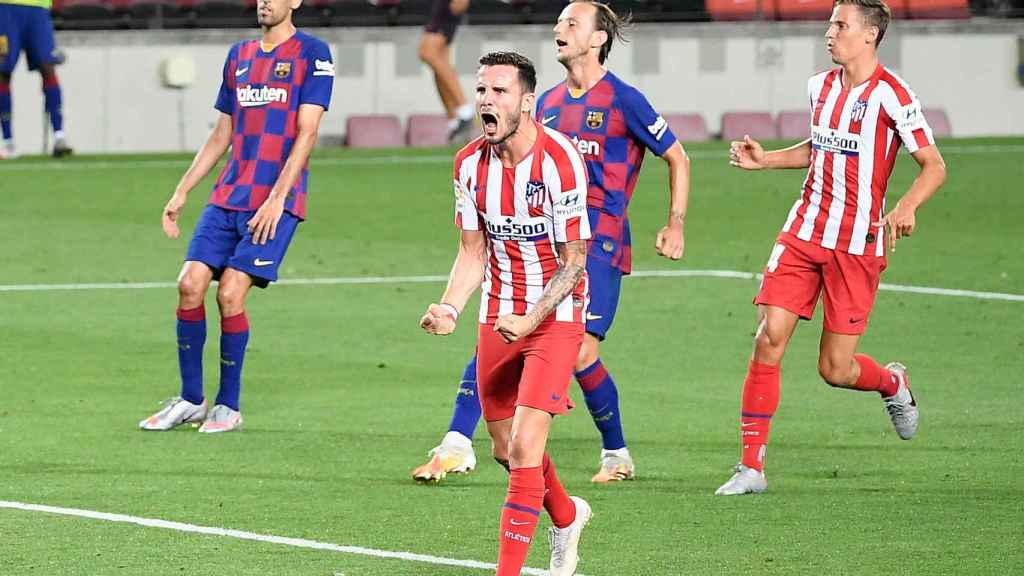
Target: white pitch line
{"type": "Point", "coordinates": [268, 538]}
{"type": "Point", "coordinates": [390, 159]}
{"type": "Point", "coordinates": [356, 280]}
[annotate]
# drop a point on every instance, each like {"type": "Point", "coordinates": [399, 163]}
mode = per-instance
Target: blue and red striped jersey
{"type": "Point", "coordinates": [612, 125]}
{"type": "Point", "coordinates": [262, 92]}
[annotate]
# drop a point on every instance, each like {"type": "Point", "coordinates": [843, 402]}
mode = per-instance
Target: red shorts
{"type": "Point", "coordinates": [798, 270]}
{"type": "Point", "coordinates": [534, 371]}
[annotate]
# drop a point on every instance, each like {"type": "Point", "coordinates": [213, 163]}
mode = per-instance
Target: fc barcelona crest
{"type": "Point", "coordinates": [282, 69]}
{"type": "Point", "coordinates": [595, 119]}
{"type": "Point", "coordinates": [860, 107]}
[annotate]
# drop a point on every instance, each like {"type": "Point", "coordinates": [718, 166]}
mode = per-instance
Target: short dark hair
{"type": "Point", "coordinates": [875, 13]}
{"type": "Point", "coordinates": [527, 73]}
{"type": "Point", "coordinates": [606, 20]}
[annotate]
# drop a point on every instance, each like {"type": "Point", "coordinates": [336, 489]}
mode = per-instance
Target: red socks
{"type": "Point", "coordinates": [760, 400]}
{"type": "Point", "coordinates": [519, 518]}
{"type": "Point", "coordinates": [560, 507]}
{"type": "Point", "coordinates": [874, 377]}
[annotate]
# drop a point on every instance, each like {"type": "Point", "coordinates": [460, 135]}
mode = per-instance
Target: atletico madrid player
{"type": "Point", "coordinates": [834, 241]}
{"type": "Point", "coordinates": [521, 197]}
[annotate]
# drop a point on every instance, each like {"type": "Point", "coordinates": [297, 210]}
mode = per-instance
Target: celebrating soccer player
{"type": "Point", "coordinates": [612, 125]}
{"type": "Point", "coordinates": [835, 238]}
{"type": "Point", "coordinates": [274, 92]}
{"type": "Point", "coordinates": [521, 193]}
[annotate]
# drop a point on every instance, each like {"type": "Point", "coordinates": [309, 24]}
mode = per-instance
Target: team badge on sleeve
{"type": "Point", "coordinates": [595, 118]}
{"type": "Point", "coordinates": [571, 205]}
{"type": "Point", "coordinates": [460, 193]}
{"type": "Point", "coordinates": [282, 70]}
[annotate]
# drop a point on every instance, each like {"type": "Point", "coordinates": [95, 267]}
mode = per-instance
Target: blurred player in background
{"type": "Point", "coordinates": [26, 25]}
{"type": "Point", "coordinates": [435, 51]}
{"type": "Point", "coordinates": [612, 125]}
{"type": "Point", "coordinates": [835, 237]}
{"type": "Point", "coordinates": [273, 95]}
{"type": "Point", "coordinates": [521, 193]}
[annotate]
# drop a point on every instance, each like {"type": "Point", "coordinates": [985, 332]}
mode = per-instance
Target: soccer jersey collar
{"type": "Point", "coordinates": [879, 70]}
{"type": "Point", "coordinates": [578, 94]}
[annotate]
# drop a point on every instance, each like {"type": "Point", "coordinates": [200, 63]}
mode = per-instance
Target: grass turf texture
{"type": "Point", "coordinates": [342, 394]}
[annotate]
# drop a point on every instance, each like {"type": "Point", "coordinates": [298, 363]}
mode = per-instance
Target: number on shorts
{"type": "Point", "coordinates": [773, 260]}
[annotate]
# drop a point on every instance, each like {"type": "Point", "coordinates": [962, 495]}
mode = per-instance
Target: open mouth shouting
{"type": "Point", "coordinates": [489, 122]}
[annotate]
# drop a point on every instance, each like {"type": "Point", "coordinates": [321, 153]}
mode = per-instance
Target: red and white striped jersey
{"type": "Point", "coordinates": [524, 211]}
{"type": "Point", "coordinates": [855, 135]}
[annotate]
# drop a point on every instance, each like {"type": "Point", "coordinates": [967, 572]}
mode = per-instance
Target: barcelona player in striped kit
{"type": "Point", "coordinates": [521, 194]}
{"type": "Point", "coordinates": [612, 125]}
{"type": "Point", "coordinates": [833, 243]}
{"type": "Point", "coordinates": [273, 94]}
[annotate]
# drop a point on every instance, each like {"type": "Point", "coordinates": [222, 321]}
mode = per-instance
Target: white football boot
{"type": "Point", "coordinates": [902, 407]}
{"type": "Point", "coordinates": [222, 419]}
{"type": "Point", "coordinates": [453, 456]}
{"type": "Point", "coordinates": [175, 412]}
{"type": "Point", "coordinates": [744, 481]}
{"type": "Point", "coordinates": [565, 541]}
{"type": "Point", "coordinates": [616, 466]}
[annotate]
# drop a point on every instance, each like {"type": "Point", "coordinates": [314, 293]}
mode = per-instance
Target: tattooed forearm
{"type": "Point", "coordinates": [574, 263]}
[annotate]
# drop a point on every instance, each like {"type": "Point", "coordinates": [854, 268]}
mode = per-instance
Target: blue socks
{"type": "Point", "coordinates": [467, 403]}
{"type": "Point", "coordinates": [602, 398]}
{"type": "Point", "coordinates": [191, 339]}
{"type": "Point", "coordinates": [233, 339]}
{"type": "Point", "coordinates": [53, 104]}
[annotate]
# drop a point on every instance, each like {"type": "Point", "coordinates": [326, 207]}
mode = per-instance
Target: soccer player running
{"type": "Point", "coordinates": [274, 93]}
{"type": "Point", "coordinates": [435, 52]}
{"type": "Point", "coordinates": [521, 208]}
{"type": "Point", "coordinates": [612, 125]}
{"type": "Point", "coordinates": [26, 24]}
{"type": "Point", "coordinates": [835, 237]}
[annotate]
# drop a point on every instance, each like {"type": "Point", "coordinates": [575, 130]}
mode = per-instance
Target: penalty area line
{"type": "Point", "coordinates": [255, 537]}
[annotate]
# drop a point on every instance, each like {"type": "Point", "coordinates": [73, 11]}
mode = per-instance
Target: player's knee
{"type": "Point", "coordinates": [191, 290]}
{"type": "Point", "coordinates": [586, 358]}
{"type": "Point", "coordinates": [230, 299]}
{"type": "Point", "coordinates": [834, 372]}
{"type": "Point", "coordinates": [769, 344]}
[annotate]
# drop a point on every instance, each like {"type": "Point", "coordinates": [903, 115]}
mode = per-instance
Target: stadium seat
{"type": "Point", "coordinates": [898, 8]}
{"type": "Point", "coordinates": [742, 9]}
{"type": "Point", "coordinates": [376, 131]}
{"type": "Point", "coordinates": [794, 124]}
{"type": "Point", "coordinates": [805, 9]}
{"type": "Point", "coordinates": [938, 9]}
{"type": "Point", "coordinates": [688, 127]}
{"type": "Point", "coordinates": [939, 122]}
{"type": "Point", "coordinates": [759, 125]}
{"type": "Point", "coordinates": [87, 10]}
{"type": "Point", "coordinates": [426, 130]}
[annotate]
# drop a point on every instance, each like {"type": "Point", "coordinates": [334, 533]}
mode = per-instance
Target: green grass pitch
{"type": "Point", "coordinates": [343, 394]}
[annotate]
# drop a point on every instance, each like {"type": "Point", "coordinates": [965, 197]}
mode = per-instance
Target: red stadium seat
{"type": "Point", "coordinates": [939, 122]}
{"type": "Point", "coordinates": [377, 131]}
{"type": "Point", "coordinates": [938, 9]}
{"type": "Point", "coordinates": [794, 124]}
{"type": "Point", "coordinates": [741, 9]}
{"type": "Point", "coordinates": [426, 130]}
{"type": "Point", "coordinates": [759, 125]}
{"type": "Point", "coordinates": [898, 8]}
{"type": "Point", "coordinates": [805, 9]}
{"type": "Point", "coordinates": [688, 127]}
{"type": "Point", "coordinates": [87, 9]}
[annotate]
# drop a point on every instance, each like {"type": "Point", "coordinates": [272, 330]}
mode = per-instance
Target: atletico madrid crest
{"type": "Point", "coordinates": [860, 107]}
{"type": "Point", "coordinates": [595, 119]}
{"type": "Point", "coordinates": [536, 197]}
{"type": "Point", "coordinates": [282, 69]}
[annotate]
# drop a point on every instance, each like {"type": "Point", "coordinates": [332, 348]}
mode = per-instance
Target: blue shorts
{"type": "Point", "coordinates": [28, 28]}
{"type": "Point", "coordinates": [222, 240]}
{"type": "Point", "coordinates": [605, 281]}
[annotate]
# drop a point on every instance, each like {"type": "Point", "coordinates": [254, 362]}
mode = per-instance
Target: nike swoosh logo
{"type": "Point", "coordinates": [258, 262]}
{"type": "Point", "coordinates": [548, 120]}
{"type": "Point", "coordinates": [593, 316]}
{"type": "Point", "coordinates": [241, 71]}
{"type": "Point", "coordinates": [514, 522]}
